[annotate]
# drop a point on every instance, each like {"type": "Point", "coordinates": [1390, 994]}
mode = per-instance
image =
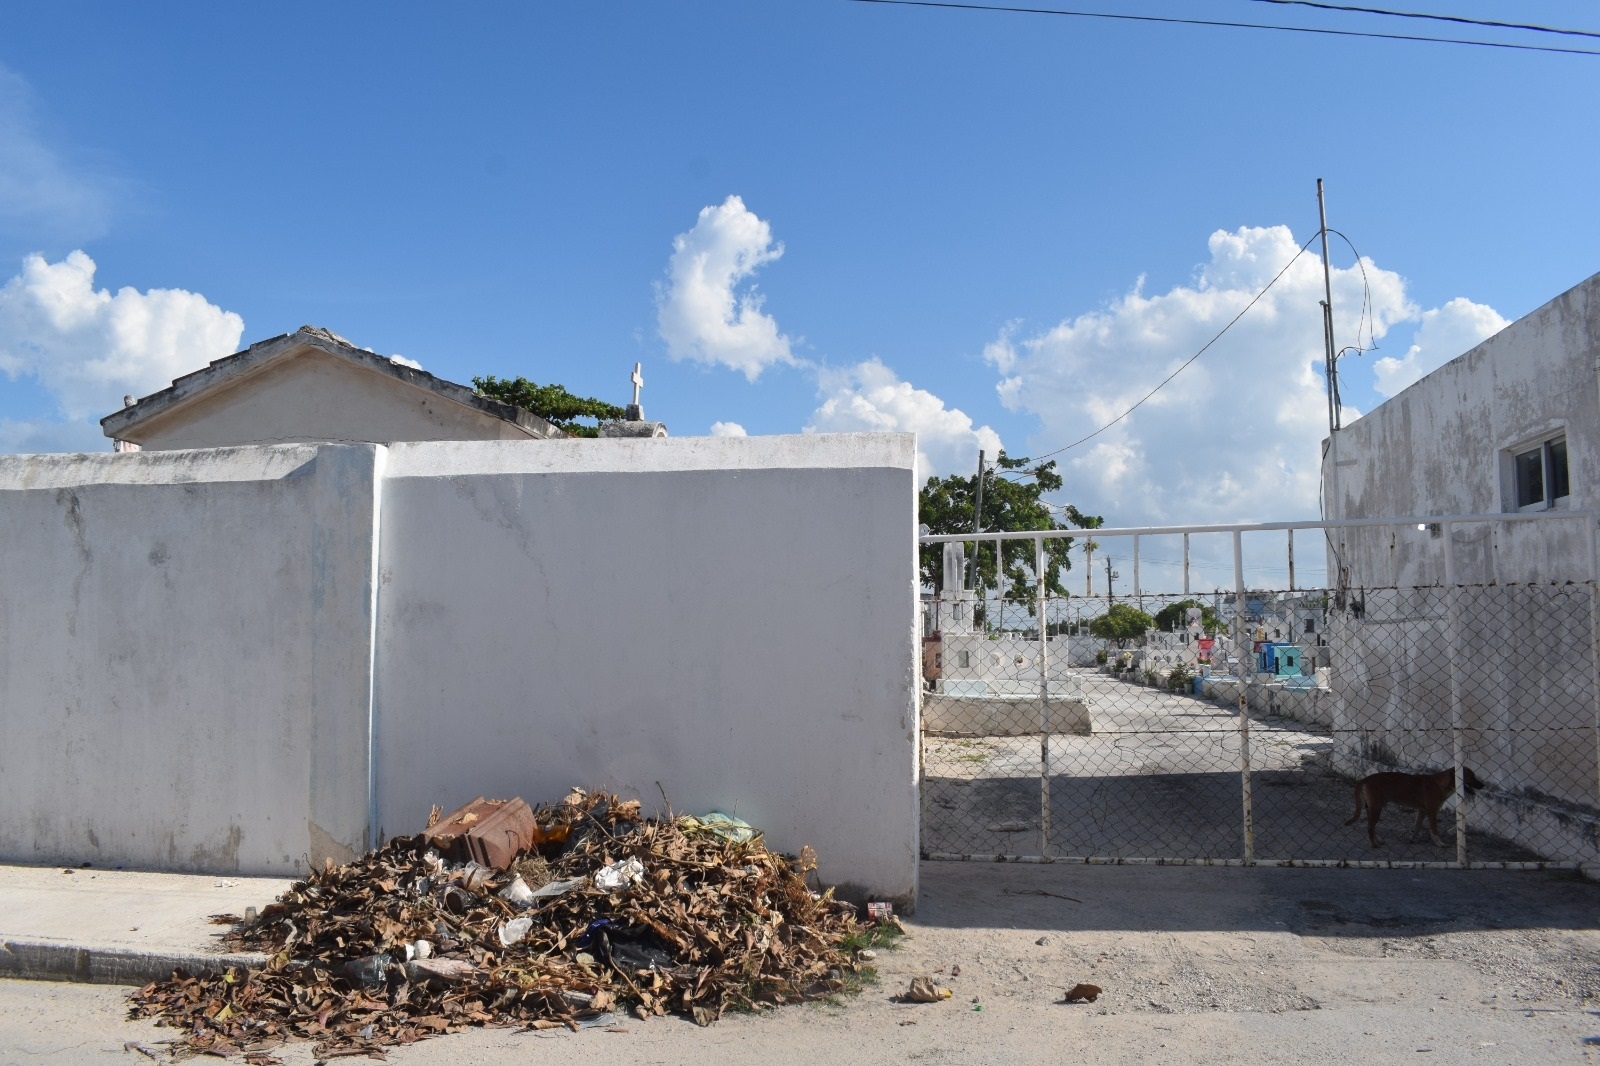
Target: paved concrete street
{"type": "Point", "coordinates": [1159, 778]}
{"type": "Point", "coordinates": [1199, 965]}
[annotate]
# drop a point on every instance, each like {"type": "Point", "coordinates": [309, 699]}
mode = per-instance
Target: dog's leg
{"type": "Point", "coordinates": [1433, 825]}
{"type": "Point", "coordinates": [1416, 830]}
{"type": "Point", "coordinates": [1356, 816]}
{"type": "Point", "coordinates": [1374, 810]}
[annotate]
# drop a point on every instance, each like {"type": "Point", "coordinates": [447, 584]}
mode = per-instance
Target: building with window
{"type": "Point", "coordinates": [1511, 426]}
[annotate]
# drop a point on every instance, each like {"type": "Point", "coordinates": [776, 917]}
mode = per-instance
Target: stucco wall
{"type": "Point", "coordinates": [185, 641]}
{"type": "Point", "coordinates": [317, 397]}
{"type": "Point", "coordinates": [1436, 448]}
{"type": "Point", "coordinates": [731, 618]}
{"type": "Point", "coordinates": [194, 645]}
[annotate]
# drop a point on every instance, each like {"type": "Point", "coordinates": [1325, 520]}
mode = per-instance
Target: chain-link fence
{"type": "Point", "coordinates": [1235, 726]}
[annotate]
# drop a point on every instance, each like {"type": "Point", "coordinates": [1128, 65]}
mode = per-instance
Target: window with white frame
{"type": "Point", "coordinates": [1539, 474]}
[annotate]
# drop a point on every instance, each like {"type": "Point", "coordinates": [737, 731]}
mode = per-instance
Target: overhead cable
{"type": "Point", "coordinates": [1231, 25]}
{"type": "Point", "coordinates": [1458, 19]}
{"type": "Point", "coordinates": [1185, 364]}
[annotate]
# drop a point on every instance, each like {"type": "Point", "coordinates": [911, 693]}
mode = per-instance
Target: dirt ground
{"type": "Point", "coordinates": [1198, 965]}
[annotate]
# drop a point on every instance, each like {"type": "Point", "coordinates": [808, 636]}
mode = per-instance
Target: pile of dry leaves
{"type": "Point", "coordinates": [611, 913]}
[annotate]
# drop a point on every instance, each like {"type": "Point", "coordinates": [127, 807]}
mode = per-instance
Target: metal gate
{"type": "Point", "coordinates": [1231, 731]}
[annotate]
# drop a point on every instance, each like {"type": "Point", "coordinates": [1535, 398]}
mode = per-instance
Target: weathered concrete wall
{"type": "Point", "coordinates": [185, 643]}
{"type": "Point", "coordinates": [318, 397]}
{"type": "Point", "coordinates": [1526, 676]}
{"type": "Point", "coordinates": [733, 619]}
{"type": "Point", "coordinates": [197, 652]}
{"type": "Point", "coordinates": [1438, 448]}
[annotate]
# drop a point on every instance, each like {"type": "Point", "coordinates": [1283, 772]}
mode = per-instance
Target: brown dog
{"type": "Point", "coordinates": [1424, 793]}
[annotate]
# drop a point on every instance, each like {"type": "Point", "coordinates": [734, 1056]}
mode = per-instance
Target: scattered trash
{"type": "Point", "coordinates": [513, 931]}
{"type": "Point", "coordinates": [440, 972]}
{"type": "Point", "coordinates": [431, 934]}
{"type": "Point", "coordinates": [619, 874]}
{"type": "Point", "coordinates": [725, 826]}
{"type": "Point", "coordinates": [866, 954]}
{"type": "Point", "coordinates": [1082, 993]}
{"type": "Point", "coordinates": [558, 888]}
{"type": "Point", "coordinates": [923, 990]}
{"type": "Point", "coordinates": [955, 971]}
{"type": "Point", "coordinates": [488, 832]}
{"type": "Point", "coordinates": [879, 910]}
{"type": "Point", "coordinates": [977, 1006]}
{"type": "Point", "coordinates": [369, 972]}
{"type": "Point", "coordinates": [517, 893]}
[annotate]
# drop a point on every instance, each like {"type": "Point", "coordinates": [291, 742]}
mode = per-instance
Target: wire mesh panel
{"type": "Point", "coordinates": [1500, 679]}
{"type": "Point", "coordinates": [985, 711]}
{"type": "Point", "coordinates": [1241, 727]}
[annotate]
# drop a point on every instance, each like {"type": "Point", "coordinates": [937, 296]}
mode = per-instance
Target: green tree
{"type": "Point", "coordinates": [1122, 622]}
{"type": "Point", "coordinates": [1011, 504]}
{"type": "Point", "coordinates": [553, 403]}
{"type": "Point", "coordinates": [1174, 617]}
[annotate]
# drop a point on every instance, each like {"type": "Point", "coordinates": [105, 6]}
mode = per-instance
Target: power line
{"type": "Point", "coordinates": [1230, 25]}
{"type": "Point", "coordinates": [1185, 364]}
{"type": "Point", "coordinates": [1458, 19]}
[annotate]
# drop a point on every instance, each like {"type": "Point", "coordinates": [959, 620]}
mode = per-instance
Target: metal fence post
{"type": "Point", "coordinates": [1044, 699]}
{"type": "Point", "coordinates": [1453, 636]}
{"type": "Point", "coordinates": [1594, 641]}
{"type": "Point", "coordinates": [1246, 678]}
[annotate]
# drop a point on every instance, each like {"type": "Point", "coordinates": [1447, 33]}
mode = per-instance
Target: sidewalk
{"type": "Point", "coordinates": [1198, 965]}
{"type": "Point", "coordinates": [116, 926]}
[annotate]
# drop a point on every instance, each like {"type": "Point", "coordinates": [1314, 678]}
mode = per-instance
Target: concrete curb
{"type": "Point", "coordinates": [54, 960]}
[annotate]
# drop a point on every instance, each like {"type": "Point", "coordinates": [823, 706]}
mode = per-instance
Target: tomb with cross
{"type": "Point", "coordinates": [632, 423]}
{"type": "Point", "coordinates": [635, 412]}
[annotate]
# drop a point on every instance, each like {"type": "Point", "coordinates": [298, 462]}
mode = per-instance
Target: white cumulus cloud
{"type": "Point", "coordinates": [88, 347]}
{"type": "Point", "coordinates": [870, 396]}
{"type": "Point", "coordinates": [727, 429]}
{"type": "Point", "coordinates": [1445, 333]}
{"type": "Point", "coordinates": [706, 309]}
{"type": "Point", "coordinates": [1236, 436]}
{"type": "Point", "coordinates": [403, 361]}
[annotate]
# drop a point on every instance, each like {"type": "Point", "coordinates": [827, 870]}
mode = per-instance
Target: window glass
{"type": "Point", "coordinates": [1558, 469]}
{"type": "Point", "coordinates": [1530, 477]}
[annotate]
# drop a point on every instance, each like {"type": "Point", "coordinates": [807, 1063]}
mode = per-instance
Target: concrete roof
{"type": "Point", "coordinates": [231, 369]}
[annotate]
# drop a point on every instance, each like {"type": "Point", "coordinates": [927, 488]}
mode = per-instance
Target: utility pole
{"type": "Point", "coordinates": [1334, 507]}
{"type": "Point", "coordinates": [1111, 597]}
{"type": "Point", "coordinates": [977, 521]}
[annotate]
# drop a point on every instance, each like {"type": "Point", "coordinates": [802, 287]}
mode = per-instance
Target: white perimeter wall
{"type": "Point", "coordinates": [193, 645]}
{"type": "Point", "coordinates": [731, 617]}
{"type": "Point", "coordinates": [185, 641]}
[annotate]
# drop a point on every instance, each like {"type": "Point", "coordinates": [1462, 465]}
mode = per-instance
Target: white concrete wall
{"type": "Point", "coordinates": [734, 618]}
{"type": "Point", "coordinates": [199, 649]}
{"type": "Point", "coordinates": [312, 397]}
{"type": "Point", "coordinates": [185, 640]}
{"type": "Point", "coordinates": [1436, 448]}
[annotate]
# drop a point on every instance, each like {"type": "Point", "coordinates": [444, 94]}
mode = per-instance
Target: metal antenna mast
{"type": "Point", "coordinates": [1334, 504]}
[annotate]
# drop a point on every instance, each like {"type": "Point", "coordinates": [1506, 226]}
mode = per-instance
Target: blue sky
{"type": "Point", "coordinates": [994, 228]}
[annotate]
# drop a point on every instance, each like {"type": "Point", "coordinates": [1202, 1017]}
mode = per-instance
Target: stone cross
{"type": "Point", "coordinates": [638, 382]}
